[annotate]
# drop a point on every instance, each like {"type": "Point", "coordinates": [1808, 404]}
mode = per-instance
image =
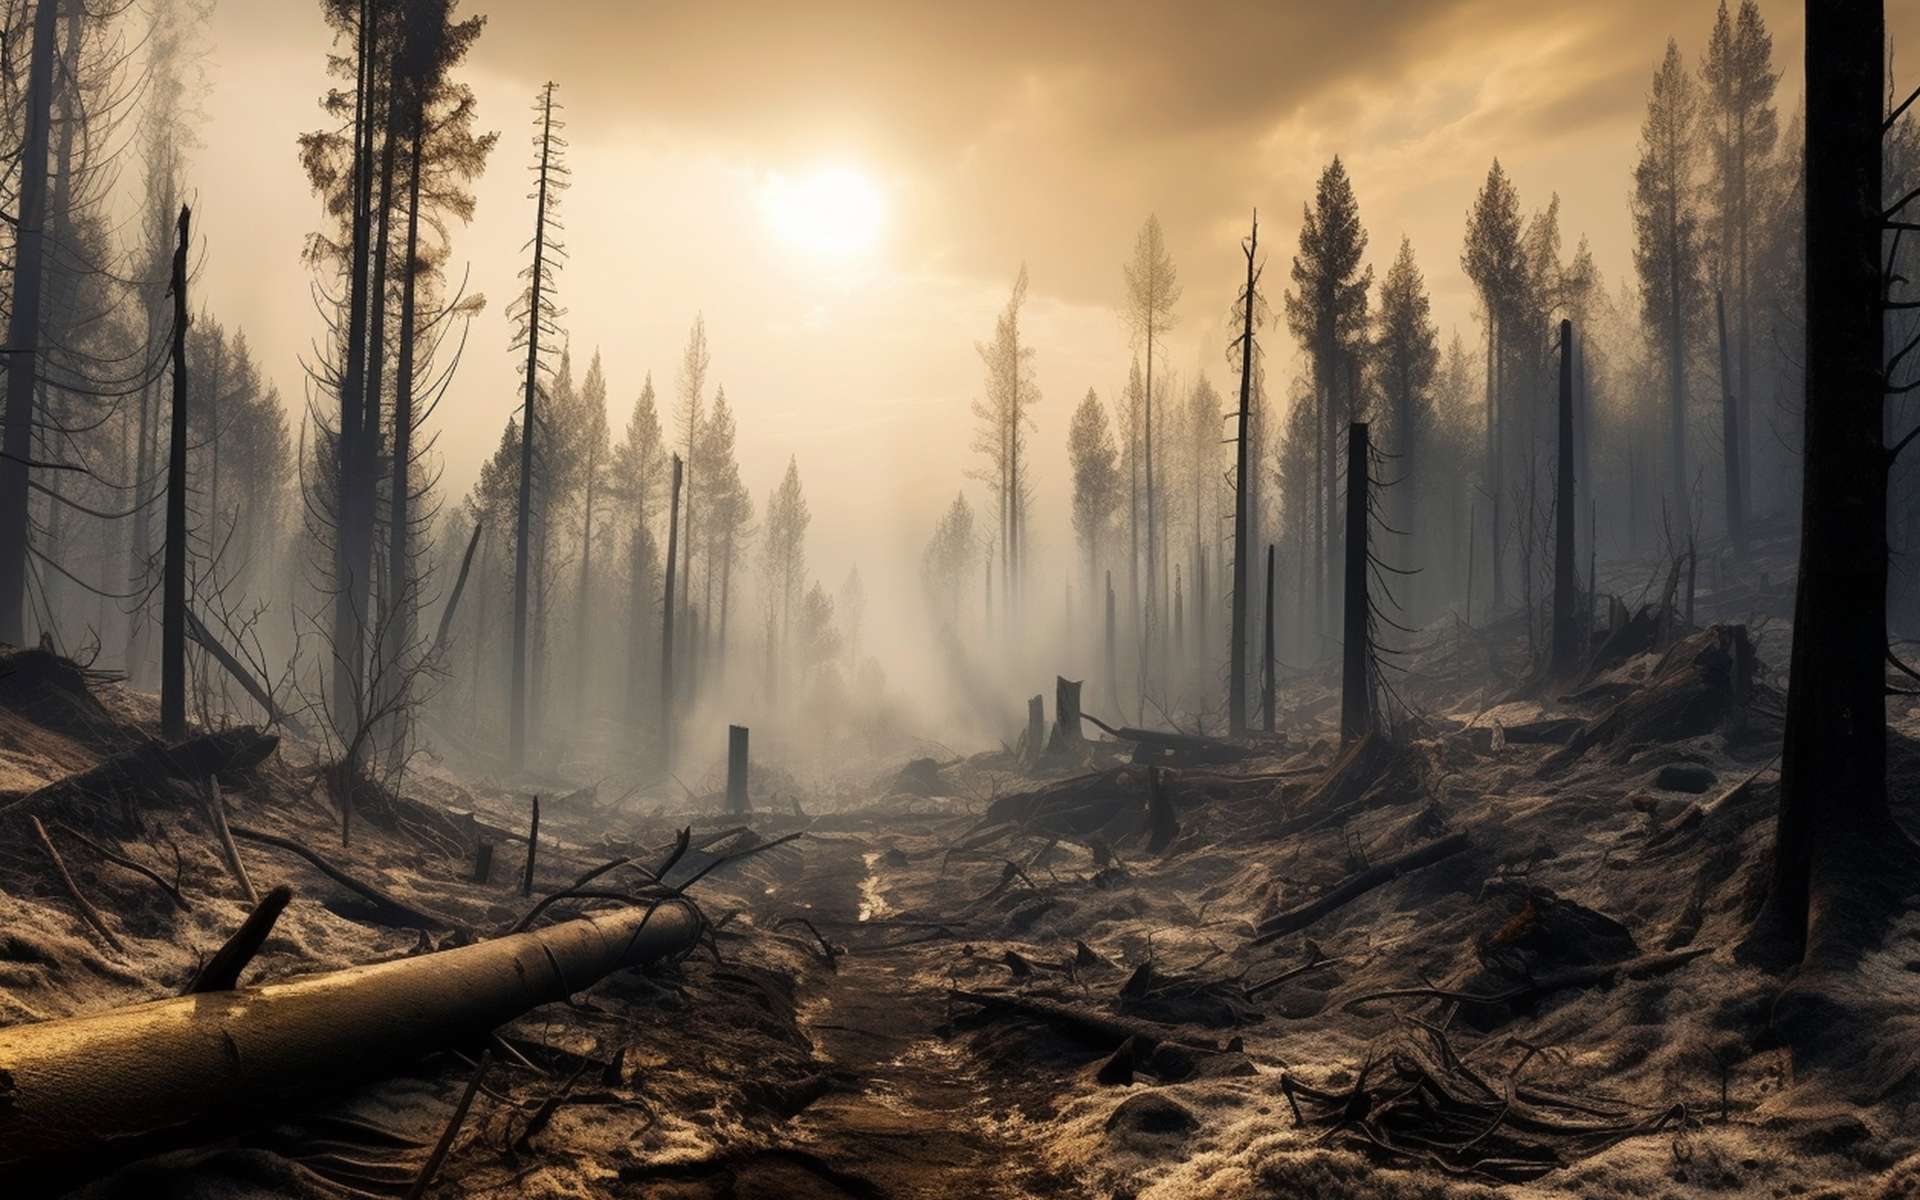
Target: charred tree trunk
{"type": "Point", "coordinates": [1066, 716]}
{"type": "Point", "coordinates": [1237, 641]}
{"type": "Point", "coordinates": [523, 521]}
{"type": "Point", "coordinates": [401, 597]}
{"type": "Point", "coordinates": [173, 617]}
{"type": "Point", "coordinates": [350, 562]}
{"type": "Point", "coordinates": [453, 600]}
{"type": "Point", "coordinates": [1113, 660]}
{"type": "Point", "coordinates": [639, 609]}
{"type": "Point", "coordinates": [1356, 675]}
{"type": "Point", "coordinates": [666, 623]}
{"type": "Point", "coordinates": [1266, 664]}
{"type": "Point", "coordinates": [1566, 618]}
{"type": "Point", "coordinates": [737, 803]}
{"type": "Point", "coordinates": [533, 848]}
{"type": "Point", "coordinates": [23, 330]}
{"type": "Point", "coordinates": [1036, 728]}
{"type": "Point", "coordinates": [1496, 454]}
{"type": "Point", "coordinates": [1730, 439]}
{"type": "Point", "coordinates": [583, 661]}
{"type": "Point", "coordinates": [1834, 828]}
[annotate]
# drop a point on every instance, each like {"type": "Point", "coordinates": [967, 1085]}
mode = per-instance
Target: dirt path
{"type": "Point", "coordinates": [911, 1113]}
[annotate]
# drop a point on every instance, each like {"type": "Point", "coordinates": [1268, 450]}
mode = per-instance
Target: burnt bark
{"type": "Point", "coordinates": [1266, 662]}
{"type": "Point", "coordinates": [1566, 588]}
{"type": "Point", "coordinates": [1356, 674]}
{"type": "Point", "coordinates": [1242, 547]}
{"type": "Point", "coordinates": [523, 519]}
{"type": "Point", "coordinates": [666, 623]}
{"type": "Point", "coordinates": [1730, 438]}
{"type": "Point", "coordinates": [1834, 818]}
{"type": "Point", "coordinates": [173, 604]}
{"type": "Point", "coordinates": [23, 330]}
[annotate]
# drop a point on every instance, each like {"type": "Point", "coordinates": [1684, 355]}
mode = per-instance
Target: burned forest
{"type": "Point", "coordinates": [1022, 601]}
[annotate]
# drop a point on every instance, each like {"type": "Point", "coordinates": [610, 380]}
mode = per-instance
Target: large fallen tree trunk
{"type": "Point", "coordinates": [78, 1096]}
{"type": "Point", "coordinates": [145, 769]}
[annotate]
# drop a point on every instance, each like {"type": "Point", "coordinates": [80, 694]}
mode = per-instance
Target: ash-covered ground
{"type": "Point", "coordinates": [1498, 952]}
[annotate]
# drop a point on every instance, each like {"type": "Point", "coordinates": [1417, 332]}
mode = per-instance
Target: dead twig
{"type": "Point", "coordinates": [218, 810]}
{"type": "Point", "coordinates": [1290, 973]}
{"type": "Point", "coordinates": [118, 860]}
{"type": "Point", "coordinates": [439, 1155]}
{"type": "Point", "coordinates": [827, 950]}
{"type": "Point", "coordinates": [406, 915]}
{"type": "Point", "coordinates": [1358, 885]}
{"type": "Point", "coordinates": [87, 910]}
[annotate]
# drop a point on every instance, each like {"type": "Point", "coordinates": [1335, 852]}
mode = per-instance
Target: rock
{"type": "Point", "coordinates": [1151, 1114]}
{"type": "Point", "coordinates": [1685, 777]}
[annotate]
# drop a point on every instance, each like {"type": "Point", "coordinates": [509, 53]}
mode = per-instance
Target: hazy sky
{"type": "Point", "coordinates": [987, 134]}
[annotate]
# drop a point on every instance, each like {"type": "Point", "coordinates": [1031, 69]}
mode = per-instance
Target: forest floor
{"type": "Point", "coordinates": [990, 977]}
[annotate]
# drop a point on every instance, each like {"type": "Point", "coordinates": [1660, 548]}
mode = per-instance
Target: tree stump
{"type": "Point", "coordinates": [1036, 728]}
{"type": "Point", "coordinates": [1066, 716]}
{"type": "Point", "coordinates": [737, 803]}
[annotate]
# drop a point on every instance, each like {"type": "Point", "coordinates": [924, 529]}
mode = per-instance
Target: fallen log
{"type": "Point", "coordinates": [81, 1095]}
{"type": "Point", "coordinates": [1358, 885]}
{"type": "Point", "coordinates": [145, 769]}
{"type": "Point", "coordinates": [1173, 749]}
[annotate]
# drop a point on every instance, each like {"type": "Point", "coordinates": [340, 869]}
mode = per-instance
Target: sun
{"type": "Point", "coordinates": [831, 212]}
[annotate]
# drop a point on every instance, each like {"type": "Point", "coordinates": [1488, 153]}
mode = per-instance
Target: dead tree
{"type": "Point", "coordinates": [173, 620]}
{"type": "Point", "coordinates": [666, 623]}
{"type": "Point", "coordinates": [23, 331]}
{"type": "Point", "coordinates": [1356, 675]}
{"type": "Point", "coordinates": [1730, 439]}
{"type": "Point", "coordinates": [1237, 652]}
{"type": "Point", "coordinates": [1113, 660]}
{"type": "Point", "coordinates": [353, 468]}
{"type": "Point", "coordinates": [1566, 619]}
{"type": "Point", "coordinates": [1266, 658]}
{"type": "Point", "coordinates": [1837, 846]}
{"type": "Point", "coordinates": [537, 316]}
{"type": "Point", "coordinates": [453, 598]}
